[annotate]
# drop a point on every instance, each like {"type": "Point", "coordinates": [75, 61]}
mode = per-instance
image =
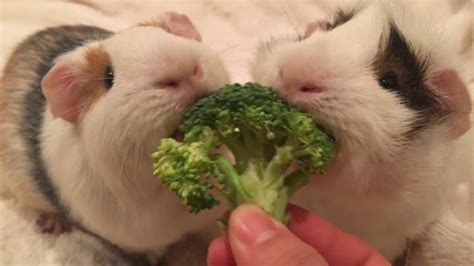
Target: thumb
{"type": "Point", "coordinates": [257, 239]}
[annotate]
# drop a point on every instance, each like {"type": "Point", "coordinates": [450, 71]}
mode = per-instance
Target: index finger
{"type": "Point", "coordinates": [336, 246]}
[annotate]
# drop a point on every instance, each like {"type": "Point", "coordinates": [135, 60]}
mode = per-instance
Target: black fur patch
{"type": "Point", "coordinates": [41, 49]}
{"type": "Point", "coordinates": [273, 42]}
{"type": "Point", "coordinates": [340, 18]}
{"type": "Point", "coordinates": [397, 59]}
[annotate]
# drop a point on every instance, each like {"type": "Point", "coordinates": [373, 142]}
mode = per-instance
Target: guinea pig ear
{"type": "Point", "coordinates": [176, 24]}
{"type": "Point", "coordinates": [62, 89]}
{"type": "Point", "coordinates": [456, 99]}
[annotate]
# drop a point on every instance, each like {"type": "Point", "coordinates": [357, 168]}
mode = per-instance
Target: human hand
{"type": "Point", "coordinates": [254, 238]}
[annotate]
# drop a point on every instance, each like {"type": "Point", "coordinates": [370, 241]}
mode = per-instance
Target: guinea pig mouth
{"type": "Point", "coordinates": [177, 135]}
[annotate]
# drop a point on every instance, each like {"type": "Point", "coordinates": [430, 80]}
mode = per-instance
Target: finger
{"type": "Point", "coordinates": [337, 247]}
{"type": "Point", "coordinates": [256, 239]}
{"type": "Point", "coordinates": [219, 253]}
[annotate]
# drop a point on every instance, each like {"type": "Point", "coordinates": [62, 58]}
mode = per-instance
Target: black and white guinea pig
{"type": "Point", "coordinates": [391, 91]}
{"type": "Point", "coordinates": [82, 109]}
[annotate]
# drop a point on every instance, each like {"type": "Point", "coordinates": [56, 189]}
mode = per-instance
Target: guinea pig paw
{"type": "Point", "coordinates": [53, 223]}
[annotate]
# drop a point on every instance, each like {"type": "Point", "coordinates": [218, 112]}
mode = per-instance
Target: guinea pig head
{"type": "Point", "coordinates": [128, 91]}
{"type": "Point", "coordinates": [369, 79]}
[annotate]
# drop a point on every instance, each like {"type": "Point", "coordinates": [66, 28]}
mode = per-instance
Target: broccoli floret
{"type": "Point", "coordinates": [265, 136]}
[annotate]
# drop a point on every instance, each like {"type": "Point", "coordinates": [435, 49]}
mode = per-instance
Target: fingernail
{"type": "Point", "coordinates": [251, 225]}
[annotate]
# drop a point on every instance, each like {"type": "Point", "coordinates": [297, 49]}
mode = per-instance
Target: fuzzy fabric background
{"type": "Point", "coordinates": [232, 27]}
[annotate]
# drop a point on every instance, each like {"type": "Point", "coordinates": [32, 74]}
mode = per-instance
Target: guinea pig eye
{"type": "Point", "coordinates": [388, 81]}
{"type": "Point", "coordinates": [108, 77]}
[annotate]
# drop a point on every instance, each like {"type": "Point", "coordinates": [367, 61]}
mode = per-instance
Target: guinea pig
{"type": "Point", "coordinates": [81, 111]}
{"type": "Point", "coordinates": [391, 92]}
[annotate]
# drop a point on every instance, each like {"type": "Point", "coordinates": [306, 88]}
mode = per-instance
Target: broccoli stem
{"type": "Point", "coordinates": [251, 179]}
{"type": "Point", "coordinates": [241, 155]}
{"type": "Point", "coordinates": [276, 168]}
{"type": "Point", "coordinates": [265, 185]}
{"type": "Point", "coordinates": [296, 180]}
{"type": "Point", "coordinates": [274, 181]}
{"type": "Point", "coordinates": [262, 184]}
{"type": "Point", "coordinates": [279, 211]}
{"type": "Point", "coordinates": [232, 182]}
{"type": "Point", "coordinates": [249, 187]}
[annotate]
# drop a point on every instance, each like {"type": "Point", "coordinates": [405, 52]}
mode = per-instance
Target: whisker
{"type": "Point", "coordinates": [231, 47]}
{"type": "Point", "coordinates": [78, 108]}
{"type": "Point", "coordinates": [462, 112]}
{"type": "Point", "coordinates": [449, 94]}
{"type": "Point", "coordinates": [289, 18]}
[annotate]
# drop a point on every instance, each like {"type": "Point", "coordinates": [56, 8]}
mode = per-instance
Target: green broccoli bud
{"type": "Point", "coordinates": [265, 136]}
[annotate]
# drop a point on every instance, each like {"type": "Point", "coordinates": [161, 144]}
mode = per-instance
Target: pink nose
{"type": "Point", "coordinates": [175, 81]}
{"type": "Point", "coordinates": [298, 83]}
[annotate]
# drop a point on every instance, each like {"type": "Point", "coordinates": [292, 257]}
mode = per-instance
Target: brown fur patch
{"type": "Point", "coordinates": [159, 23]}
{"type": "Point", "coordinates": [97, 61]}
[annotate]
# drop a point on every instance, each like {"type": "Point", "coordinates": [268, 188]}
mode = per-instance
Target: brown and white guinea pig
{"type": "Point", "coordinates": [82, 109]}
{"type": "Point", "coordinates": [391, 93]}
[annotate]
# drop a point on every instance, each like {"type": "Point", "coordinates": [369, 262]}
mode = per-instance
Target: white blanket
{"type": "Point", "coordinates": [232, 27]}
